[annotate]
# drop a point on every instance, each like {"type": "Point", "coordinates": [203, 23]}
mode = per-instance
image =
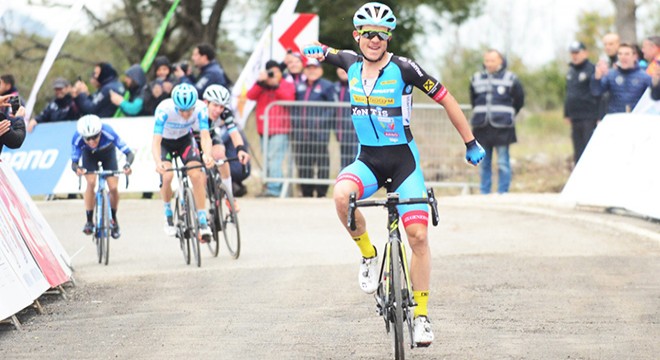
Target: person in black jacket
{"type": "Point", "coordinates": [12, 127]}
{"type": "Point", "coordinates": [99, 104]}
{"type": "Point", "coordinates": [210, 70]}
{"type": "Point", "coordinates": [62, 108]}
{"type": "Point", "coordinates": [497, 96]}
{"type": "Point", "coordinates": [581, 108]}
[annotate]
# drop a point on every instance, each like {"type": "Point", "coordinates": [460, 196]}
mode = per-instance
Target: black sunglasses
{"type": "Point", "coordinates": [370, 34]}
{"type": "Point", "coordinates": [94, 137]}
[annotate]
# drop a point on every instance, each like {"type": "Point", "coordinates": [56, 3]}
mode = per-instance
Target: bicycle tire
{"type": "Point", "coordinates": [97, 234]}
{"type": "Point", "coordinates": [213, 197]}
{"type": "Point", "coordinates": [231, 230]}
{"type": "Point", "coordinates": [180, 222]}
{"type": "Point", "coordinates": [105, 238]}
{"type": "Point", "coordinates": [193, 227]}
{"type": "Point", "coordinates": [397, 301]}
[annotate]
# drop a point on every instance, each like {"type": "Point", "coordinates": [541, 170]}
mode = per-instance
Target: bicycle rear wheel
{"type": "Point", "coordinates": [229, 220]}
{"type": "Point", "coordinates": [181, 231]}
{"type": "Point", "coordinates": [396, 315]}
{"type": "Point", "coordinates": [213, 196]}
{"type": "Point", "coordinates": [105, 238]}
{"type": "Point", "coordinates": [193, 227]}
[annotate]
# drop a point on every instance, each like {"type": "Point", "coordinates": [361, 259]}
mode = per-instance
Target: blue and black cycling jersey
{"type": "Point", "coordinates": [382, 117]}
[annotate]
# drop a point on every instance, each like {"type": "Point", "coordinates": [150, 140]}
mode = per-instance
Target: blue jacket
{"type": "Point", "coordinates": [626, 87]}
{"type": "Point", "coordinates": [59, 110]}
{"type": "Point", "coordinates": [99, 103]}
{"type": "Point", "coordinates": [211, 73]}
{"type": "Point", "coordinates": [314, 122]}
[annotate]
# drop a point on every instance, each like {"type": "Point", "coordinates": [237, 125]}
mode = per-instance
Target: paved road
{"type": "Point", "coordinates": [514, 277]}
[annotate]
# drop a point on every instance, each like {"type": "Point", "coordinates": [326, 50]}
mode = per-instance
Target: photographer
{"type": "Point", "coordinates": [270, 86]}
{"type": "Point", "coordinates": [12, 127]}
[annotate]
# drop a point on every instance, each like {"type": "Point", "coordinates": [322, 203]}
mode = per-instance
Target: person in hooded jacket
{"type": "Point", "coordinates": [136, 83]}
{"type": "Point", "coordinates": [99, 103]}
{"type": "Point", "coordinates": [496, 96]}
{"type": "Point", "coordinates": [160, 88]}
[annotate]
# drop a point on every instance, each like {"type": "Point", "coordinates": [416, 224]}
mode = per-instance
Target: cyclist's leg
{"type": "Point", "coordinates": [89, 162]}
{"type": "Point", "coordinates": [355, 178]}
{"type": "Point", "coordinates": [219, 153]}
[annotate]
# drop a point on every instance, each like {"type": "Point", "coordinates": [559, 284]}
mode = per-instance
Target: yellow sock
{"type": "Point", "coordinates": [363, 242]}
{"type": "Point", "coordinates": [422, 299]}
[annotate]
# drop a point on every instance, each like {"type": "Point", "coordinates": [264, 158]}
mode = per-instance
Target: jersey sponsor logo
{"type": "Point", "coordinates": [354, 82]}
{"type": "Point", "coordinates": [365, 112]}
{"type": "Point", "coordinates": [380, 101]}
{"type": "Point", "coordinates": [333, 51]}
{"type": "Point", "coordinates": [386, 123]}
{"type": "Point", "coordinates": [428, 85]}
{"type": "Point", "coordinates": [388, 82]}
{"type": "Point", "coordinates": [383, 91]}
{"type": "Point", "coordinates": [441, 94]}
{"type": "Point", "coordinates": [415, 67]}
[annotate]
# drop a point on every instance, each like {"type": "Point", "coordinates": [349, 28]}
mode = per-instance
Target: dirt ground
{"type": "Point", "coordinates": [514, 277]}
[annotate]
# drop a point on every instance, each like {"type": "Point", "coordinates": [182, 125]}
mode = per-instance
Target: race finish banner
{"type": "Point", "coordinates": [288, 31]}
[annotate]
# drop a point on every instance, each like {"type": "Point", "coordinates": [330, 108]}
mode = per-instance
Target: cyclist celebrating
{"type": "Point", "coordinates": [175, 118]}
{"type": "Point", "coordinates": [381, 86]}
{"type": "Point", "coordinates": [96, 142]}
{"type": "Point", "coordinates": [221, 122]}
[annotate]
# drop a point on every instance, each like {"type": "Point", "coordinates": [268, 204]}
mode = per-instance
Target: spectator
{"type": "Point", "coordinates": [99, 104]}
{"type": "Point", "coordinates": [580, 106]}
{"type": "Point", "coordinates": [135, 82]}
{"type": "Point", "coordinates": [161, 87]}
{"type": "Point", "coordinates": [611, 43]}
{"type": "Point", "coordinates": [311, 129]}
{"type": "Point", "coordinates": [651, 50]}
{"type": "Point", "coordinates": [8, 87]}
{"type": "Point", "coordinates": [270, 86]}
{"type": "Point", "coordinates": [496, 96]}
{"type": "Point", "coordinates": [626, 83]}
{"type": "Point", "coordinates": [655, 82]}
{"type": "Point", "coordinates": [210, 70]}
{"type": "Point", "coordinates": [639, 57]}
{"type": "Point", "coordinates": [293, 63]}
{"type": "Point", "coordinates": [12, 127]}
{"type": "Point", "coordinates": [62, 108]}
{"type": "Point", "coordinates": [345, 131]}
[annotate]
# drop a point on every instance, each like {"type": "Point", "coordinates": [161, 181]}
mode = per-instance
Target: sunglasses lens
{"type": "Point", "coordinates": [383, 35]}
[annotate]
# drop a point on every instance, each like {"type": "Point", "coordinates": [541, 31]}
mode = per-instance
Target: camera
{"type": "Point", "coordinates": [270, 73]}
{"type": "Point", "coordinates": [15, 103]}
{"type": "Point", "coordinates": [183, 65]}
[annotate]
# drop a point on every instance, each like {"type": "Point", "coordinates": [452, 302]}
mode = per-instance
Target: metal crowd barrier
{"type": "Point", "coordinates": [321, 141]}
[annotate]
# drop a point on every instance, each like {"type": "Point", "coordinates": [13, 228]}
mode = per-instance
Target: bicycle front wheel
{"type": "Point", "coordinates": [193, 227]}
{"type": "Point", "coordinates": [213, 196]}
{"type": "Point", "coordinates": [229, 219]}
{"type": "Point", "coordinates": [105, 238]}
{"type": "Point", "coordinates": [181, 230]}
{"type": "Point", "coordinates": [396, 314]}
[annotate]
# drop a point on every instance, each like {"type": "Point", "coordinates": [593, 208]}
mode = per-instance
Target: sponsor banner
{"type": "Point", "coordinates": [43, 162]}
{"type": "Point", "coordinates": [617, 168]}
{"type": "Point", "coordinates": [17, 212]}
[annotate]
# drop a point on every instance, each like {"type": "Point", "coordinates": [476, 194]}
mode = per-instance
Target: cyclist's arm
{"type": "Point", "coordinates": [339, 58]}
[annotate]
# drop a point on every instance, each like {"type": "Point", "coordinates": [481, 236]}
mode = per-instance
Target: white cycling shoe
{"type": "Point", "coordinates": [368, 275]}
{"type": "Point", "coordinates": [169, 228]}
{"type": "Point", "coordinates": [422, 332]}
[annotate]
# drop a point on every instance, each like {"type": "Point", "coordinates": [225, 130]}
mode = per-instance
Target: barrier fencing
{"type": "Point", "coordinates": [321, 141]}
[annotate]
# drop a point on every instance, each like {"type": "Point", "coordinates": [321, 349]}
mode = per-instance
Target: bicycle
{"type": "Point", "coordinates": [221, 210]}
{"type": "Point", "coordinates": [185, 214]}
{"type": "Point", "coordinates": [394, 299]}
{"type": "Point", "coordinates": [102, 214]}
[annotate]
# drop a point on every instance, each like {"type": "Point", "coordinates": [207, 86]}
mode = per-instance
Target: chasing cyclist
{"type": "Point", "coordinates": [175, 118]}
{"type": "Point", "coordinates": [221, 123]}
{"type": "Point", "coordinates": [96, 142]}
{"type": "Point", "coordinates": [381, 86]}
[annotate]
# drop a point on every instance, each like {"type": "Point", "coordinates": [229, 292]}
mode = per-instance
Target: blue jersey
{"type": "Point", "coordinates": [381, 110]}
{"type": "Point", "coordinates": [109, 138]}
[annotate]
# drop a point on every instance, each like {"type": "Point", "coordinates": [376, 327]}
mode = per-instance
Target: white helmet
{"type": "Point", "coordinates": [89, 125]}
{"type": "Point", "coordinates": [374, 13]}
{"type": "Point", "coordinates": [217, 94]}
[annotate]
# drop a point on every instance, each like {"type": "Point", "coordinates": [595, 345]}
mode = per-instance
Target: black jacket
{"type": "Point", "coordinates": [579, 103]}
{"type": "Point", "coordinates": [14, 138]}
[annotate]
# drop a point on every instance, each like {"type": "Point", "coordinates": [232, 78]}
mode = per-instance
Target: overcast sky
{"type": "Point", "coordinates": [537, 30]}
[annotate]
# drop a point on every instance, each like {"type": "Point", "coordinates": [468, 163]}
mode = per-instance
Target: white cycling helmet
{"type": "Point", "coordinates": [374, 13]}
{"type": "Point", "coordinates": [89, 125]}
{"type": "Point", "coordinates": [217, 94]}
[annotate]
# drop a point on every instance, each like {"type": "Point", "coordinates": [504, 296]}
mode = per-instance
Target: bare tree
{"type": "Point", "coordinates": [626, 20]}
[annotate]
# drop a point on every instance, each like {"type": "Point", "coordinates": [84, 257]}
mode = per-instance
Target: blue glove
{"type": "Point", "coordinates": [312, 49]}
{"type": "Point", "coordinates": [475, 153]}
